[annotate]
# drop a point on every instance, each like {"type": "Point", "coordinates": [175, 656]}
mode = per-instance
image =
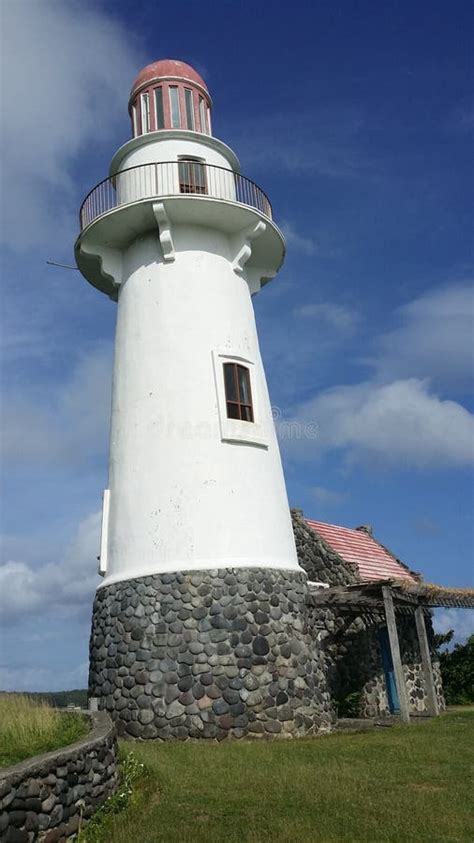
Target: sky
{"type": "Point", "coordinates": [356, 118]}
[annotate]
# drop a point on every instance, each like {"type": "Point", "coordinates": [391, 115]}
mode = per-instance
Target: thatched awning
{"type": "Point", "coordinates": [405, 593]}
{"type": "Point", "coordinates": [430, 594]}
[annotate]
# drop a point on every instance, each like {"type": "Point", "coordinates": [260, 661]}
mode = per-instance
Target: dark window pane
{"type": "Point", "coordinates": [192, 176]}
{"type": "Point", "coordinates": [233, 411]}
{"type": "Point", "coordinates": [188, 95]}
{"type": "Point", "coordinates": [160, 118]}
{"type": "Point", "coordinates": [230, 383]}
{"type": "Point", "coordinates": [175, 112]}
{"type": "Point", "coordinates": [237, 392]}
{"type": "Point", "coordinates": [244, 385]}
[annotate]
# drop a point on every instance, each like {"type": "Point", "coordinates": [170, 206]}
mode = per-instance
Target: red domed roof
{"type": "Point", "coordinates": [167, 67]}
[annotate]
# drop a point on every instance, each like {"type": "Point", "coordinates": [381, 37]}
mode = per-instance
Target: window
{"type": "Point", "coordinates": [134, 121]}
{"type": "Point", "coordinates": [192, 176]}
{"type": "Point", "coordinates": [202, 116]}
{"type": "Point", "coordinates": [238, 394]}
{"type": "Point", "coordinates": [160, 117]}
{"type": "Point", "coordinates": [242, 415]}
{"type": "Point", "coordinates": [145, 103]}
{"type": "Point", "coordinates": [188, 96]}
{"type": "Point", "coordinates": [175, 112]}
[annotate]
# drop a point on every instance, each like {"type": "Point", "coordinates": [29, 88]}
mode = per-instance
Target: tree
{"type": "Point", "coordinates": [457, 669]}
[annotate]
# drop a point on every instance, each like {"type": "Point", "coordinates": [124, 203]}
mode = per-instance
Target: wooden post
{"type": "Point", "coordinates": [395, 650]}
{"type": "Point", "coordinates": [432, 699]}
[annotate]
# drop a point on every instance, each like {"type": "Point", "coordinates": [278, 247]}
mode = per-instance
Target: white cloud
{"type": "Point", "coordinates": [337, 317]}
{"type": "Point", "coordinates": [398, 423]}
{"type": "Point", "coordinates": [461, 620]}
{"type": "Point", "coordinates": [325, 496]}
{"type": "Point", "coordinates": [57, 588]}
{"type": "Point", "coordinates": [302, 244]}
{"type": "Point", "coordinates": [63, 423]}
{"type": "Point", "coordinates": [434, 339]}
{"type": "Point", "coordinates": [66, 72]}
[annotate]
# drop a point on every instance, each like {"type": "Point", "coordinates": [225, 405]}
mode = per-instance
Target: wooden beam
{"type": "Point", "coordinates": [395, 650]}
{"type": "Point", "coordinates": [432, 698]}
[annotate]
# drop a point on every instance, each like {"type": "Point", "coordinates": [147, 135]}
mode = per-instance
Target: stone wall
{"type": "Point", "coordinates": [208, 654]}
{"type": "Point", "coordinates": [356, 663]}
{"type": "Point", "coordinates": [39, 797]}
{"type": "Point", "coordinates": [321, 562]}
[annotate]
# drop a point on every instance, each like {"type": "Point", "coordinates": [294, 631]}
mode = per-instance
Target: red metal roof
{"type": "Point", "coordinates": [166, 68]}
{"type": "Point", "coordinates": [372, 560]}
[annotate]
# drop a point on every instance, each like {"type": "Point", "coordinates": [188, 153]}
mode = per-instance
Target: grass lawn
{"type": "Point", "coordinates": [400, 784]}
{"type": "Point", "coordinates": [29, 727]}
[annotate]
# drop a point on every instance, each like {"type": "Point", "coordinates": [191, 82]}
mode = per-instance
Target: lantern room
{"type": "Point", "coordinates": [169, 94]}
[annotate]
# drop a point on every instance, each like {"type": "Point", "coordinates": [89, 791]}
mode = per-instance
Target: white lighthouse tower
{"type": "Point", "coordinates": [199, 611]}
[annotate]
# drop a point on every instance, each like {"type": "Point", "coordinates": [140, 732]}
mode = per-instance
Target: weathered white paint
{"type": "Point", "coordinates": [180, 497]}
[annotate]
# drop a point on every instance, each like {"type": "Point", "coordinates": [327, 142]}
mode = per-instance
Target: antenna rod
{"type": "Point", "coordinates": [64, 265]}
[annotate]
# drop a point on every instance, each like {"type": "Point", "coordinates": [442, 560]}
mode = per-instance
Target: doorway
{"type": "Point", "coordinates": [392, 693]}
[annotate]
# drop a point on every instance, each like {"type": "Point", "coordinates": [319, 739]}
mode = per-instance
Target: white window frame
{"type": "Point", "coordinates": [134, 120]}
{"type": "Point", "coordinates": [145, 112]}
{"type": "Point", "coordinates": [170, 89]}
{"type": "Point", "coordinates": [236, 430]}
{"type": "Point", "coordinates": [203, 115]}
{"type": "Point", "coordinates": [208, 120]}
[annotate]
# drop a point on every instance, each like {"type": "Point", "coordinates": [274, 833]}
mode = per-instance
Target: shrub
{"type": "Point", "coordinates": [349, 706]}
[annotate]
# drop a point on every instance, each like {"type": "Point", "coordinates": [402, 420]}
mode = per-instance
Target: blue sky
{"type": "Point", "coordinates": [356, 118]}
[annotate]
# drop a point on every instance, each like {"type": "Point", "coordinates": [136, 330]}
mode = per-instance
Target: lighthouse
{"type": "Point", "coordinates": [198, 623]}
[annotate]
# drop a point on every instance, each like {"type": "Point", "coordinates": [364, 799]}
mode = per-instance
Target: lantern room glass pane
{"type": "Point", "coordinates": [175, 112]}
{"type": "Point", "coordinates": [160, 117]}
{"type": "Point", "coordinates": [188, 95]}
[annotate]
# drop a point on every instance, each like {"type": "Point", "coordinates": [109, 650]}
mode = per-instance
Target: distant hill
{"type": "Point", "coordinates": [61, 699]}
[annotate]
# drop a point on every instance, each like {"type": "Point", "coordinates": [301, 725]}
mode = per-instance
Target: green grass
{"type": "Point", "coordinates": [398, 785]}
{"type": "Point", "coordinates": [29, 727]}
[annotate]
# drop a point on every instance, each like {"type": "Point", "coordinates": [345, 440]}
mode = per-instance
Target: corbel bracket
{"type": "Point", "coordinates": [105, 267]}
{"type": "Point", "coordinates": [165, 232]}
{"type": "Point", "coordinates": [245, 251]}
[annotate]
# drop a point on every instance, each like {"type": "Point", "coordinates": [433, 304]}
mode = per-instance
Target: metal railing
{"type": "Point", "coordinates": [171, 178]}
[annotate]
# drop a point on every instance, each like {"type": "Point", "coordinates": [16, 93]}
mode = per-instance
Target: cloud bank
{"type": "Point", "coordinates": [66, 69]}
{"type": "Point", "coordinates": [434, 339]}
{"type": "Point", "coordinates": [60, 588]}
{"type": "Point", "coordinates": [399, 423]}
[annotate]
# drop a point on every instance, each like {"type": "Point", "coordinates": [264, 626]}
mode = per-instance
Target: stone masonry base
{"type": "Point", "coordinates": [208, 654]}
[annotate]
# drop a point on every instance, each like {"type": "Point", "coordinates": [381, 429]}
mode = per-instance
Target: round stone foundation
{"type": "Point", "coordinates": [208, 654]}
